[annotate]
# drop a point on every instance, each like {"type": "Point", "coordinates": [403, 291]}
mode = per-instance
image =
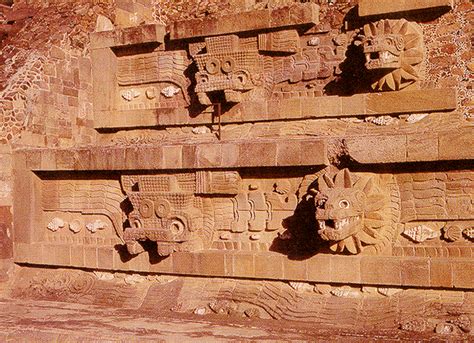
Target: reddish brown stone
{"type": "Point", "coordinates": [383, 270]}
{"type": "Point", "coordinates": [415, 271]}
{"type": "Point", "coordinates": [441, 273]}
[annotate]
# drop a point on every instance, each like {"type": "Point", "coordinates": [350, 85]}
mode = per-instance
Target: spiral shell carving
{"type": "Point", "coordinates": [420, 233]}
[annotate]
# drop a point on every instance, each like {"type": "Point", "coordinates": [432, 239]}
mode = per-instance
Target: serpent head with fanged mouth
{"type": "Point", "coordinates": [350, 215]}
{"type": "Point", "coordinates": [393, 50]}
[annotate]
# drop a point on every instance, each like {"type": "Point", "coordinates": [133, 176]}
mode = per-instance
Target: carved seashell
{"type": "Point", "coordinates": [469, 232]}
{"type": "Point", "coordinates": [104, 276]}
{"type": "Point", "coordinates": [452, 233]}
{"type": "Point", "coordinates": [201, 311]}
{"type": "Point", "coordinates": [463, 322]}
{"type": "Point", "coordinates": [170, 91]}
{"type": "Point", "coordinates": [420, 233]}
{"type": "Point", "coordinates": [301, 286]}
{"type": "Point", "coordinates": [150, 93]}
{"type": "Point", "coordinates": [345, 293]}
{"type": "Point", "coordinates": [381, 120]}
{"type": "Point", "coordinates": [200, 130]}
{"type": "Point", "coordinates": [75, 226]}
{"type": "Point", "coordinates": [130, 94]}
{"type": "Point", "coordinates": [388, 292]}
{"type": "Point", "coordinates": [56, 224]}
{"type": "Point", "coordinates": [134, 279]}
{"type": "Point", "coordinates": [445, 329]}
{"type": "Point", "coordinates": [315, 41]}
{"type": "Point", "coordinates": [415, 325]}
{"type": "Point", "coordinates": [416, 117]}
{"type": "Point", "coordinates": [96, 225]}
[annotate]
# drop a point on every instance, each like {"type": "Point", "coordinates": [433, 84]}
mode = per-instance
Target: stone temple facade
{"type": "Point", "coordinates": [310, 161]}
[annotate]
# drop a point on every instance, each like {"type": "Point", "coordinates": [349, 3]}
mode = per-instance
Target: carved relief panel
{"type": "Point", "coordinates": [153, 75]}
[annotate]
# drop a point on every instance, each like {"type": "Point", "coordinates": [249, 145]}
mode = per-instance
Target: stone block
{"type": "Point", "coordinates": [143, 34]}
{"type": "Point", "coordinates": [184, 263]}
{"type": "Point", "coordinates": [98, 158]}
{"type": "Point", "coordinates": [131, 157]}
{"type": "Point", "coordinates": [120, 263]}
{"type": "Point", "coordinates": [314, 153]}
{"type": "Point", "coordinates": [243, 264]}
{"type": "Point", "coordinates": [6, 244]}
{"type": "Point", "coordinates": [172, 157]}
{"type": "Point", "coordinates": [463, 274]}
{"type": "Point", "coordinates": [150, 158]}
{"type": "Point", "coordinates": [378, 149]}
{"type": "Point", "coordinates": [422, 147]}
{"type": "Point", "coordinates": [457, 145]}
{"type": "Point", "coordinates": [140, 263]}
{"type": "Point", "coordinates": [56, 255]}
{"type": "Point", "coordinates": [82, 159]}
{"type": "Point", "coordinates": [310, 107]}
{"type": "Point", "coordinates": [305, 13]}
{"type": "Point", "coordinates": [379, 7]}
{"type": "Point", "coordinates": [208, 155]}
{"type": "Point", "coordinates": [318, 268]}
{"type": "Point", "coordinates": [105, 258]}
{"type": "Point", "coordinates": [269, 266]}
{"type": "Point", "coordinates": [290, 108]}
{"type": "Point", "coordinates": [289, 153]}
{"type": "Point", "coordinates": [24, 191]}
{"type": "Point", "coordinates": [28, 253]}
{"type": "Point", "coordinates": [297, 14]}
{"type": "Point", "coordinates": [415, 272]}
{"type": "Point", "coordinates": [330, 106]}
{"type": "Point", "coordinates": [189, 156]}
{"type": "Point", "coordinates": [411, 101]}
{"type": "Point", "coordinates": [294, 270]}
{"type": "Point", "coordinates": [77, 256]}
{"type": "Point", "coordinates": [380, 270]}
{"type": "Point", "coordinates": [33, 160]}
{"type": "Point", "coordinates": [441, 273]}
{"type": "Point", "coordinates": [164, 265]}
{"type": "Point", "coordinates": [353, 105]}
{"type": "Point", "coordinates": [211, 263]}
{"type": "Point", "coordinates": [230, 155]}
{"type": "Point", "coordinates": [90, 257]}
{"type": "Point", "coordinates": [345, 269]}
{"type": "Point", "coordinates": [257, 154]}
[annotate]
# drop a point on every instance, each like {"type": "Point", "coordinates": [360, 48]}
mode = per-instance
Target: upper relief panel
{"type": "Point", "coordinates": [269, 64]}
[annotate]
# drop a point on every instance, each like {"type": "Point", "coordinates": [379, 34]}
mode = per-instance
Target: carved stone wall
{"type": "Point", "coordinates": [317, 143]}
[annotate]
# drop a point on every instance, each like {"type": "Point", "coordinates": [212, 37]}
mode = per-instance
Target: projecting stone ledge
{"type": "Point", "coordinates": [360, 105]}
{"type": "Point", "coordinates": [297, 14]}
{"type": "Point", "coordinates": [129, 36]}
{"type": "Point", "coordinates": [376, 7]}
{"type": "Point", "coordinates": [436, 146]}
{"type": "Point", "coordinates": [233, 154]}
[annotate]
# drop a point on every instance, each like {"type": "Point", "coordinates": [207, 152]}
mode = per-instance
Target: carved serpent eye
{"type": "Point", "coordinates": [344, 204]}
{"type": "Point", "coordinates": [176, 226]}
{"type": "Point", "coordinates": [213, 65]}
{"type": "Point", "coordinates": [228, 65]}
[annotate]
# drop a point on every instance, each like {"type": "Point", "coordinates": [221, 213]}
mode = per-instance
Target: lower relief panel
{"type": "Point", "coordinates": [327, 225]}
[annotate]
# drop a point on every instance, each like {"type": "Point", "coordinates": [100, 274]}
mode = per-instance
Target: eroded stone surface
{"type": "Point", "coordinates": [380, 7]}
{"type": "Point", "coordinates": [265, 140]}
